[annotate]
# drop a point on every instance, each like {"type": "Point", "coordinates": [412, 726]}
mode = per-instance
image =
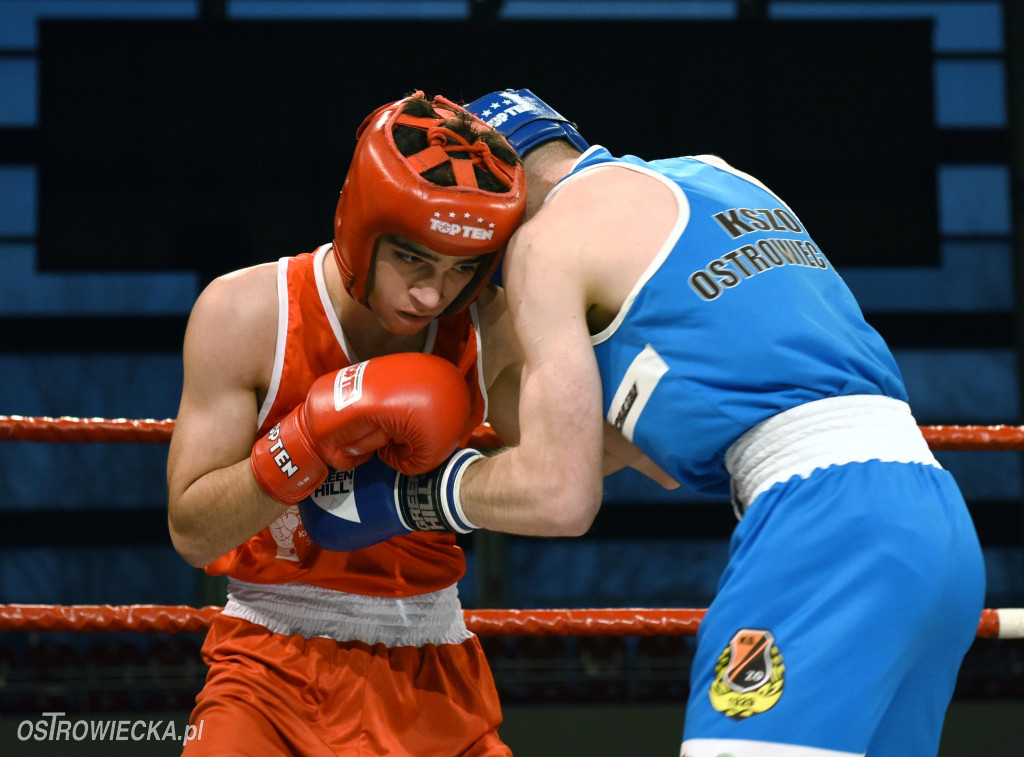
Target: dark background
{"type": "Point", "coordinates": [222, 145]}
{"type": "Point", "coordinates": [208, 144]}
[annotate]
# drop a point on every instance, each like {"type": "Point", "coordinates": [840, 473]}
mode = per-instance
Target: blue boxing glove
{"type": "Point", "coordinates": [358, 508]}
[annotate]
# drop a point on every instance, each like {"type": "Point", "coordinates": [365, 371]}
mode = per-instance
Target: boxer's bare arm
{"type": "Point", "coordinates": [550, 484]}
{"type": "Point", "coordinates": [568, 271]}
{"type": "Point", "coordinates": [502, 361]}
{"type": "Point", "coordinates": [214, 503]}
{"type": "Point", "coordinates": [502, 367]}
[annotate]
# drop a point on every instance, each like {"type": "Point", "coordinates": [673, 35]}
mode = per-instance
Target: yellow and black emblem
{"type": "Point", "coordinates": [749, 675]}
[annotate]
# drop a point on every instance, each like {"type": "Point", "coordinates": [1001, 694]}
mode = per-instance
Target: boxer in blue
{"type": "Point", "coordinates": [677, 316]}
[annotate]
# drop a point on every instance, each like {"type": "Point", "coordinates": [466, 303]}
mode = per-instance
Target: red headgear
{"type": "Point", "coordinates": [385, 194]}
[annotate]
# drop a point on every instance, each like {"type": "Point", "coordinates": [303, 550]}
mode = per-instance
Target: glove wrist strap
{"type": "Point", "coordinates": [430, 502]}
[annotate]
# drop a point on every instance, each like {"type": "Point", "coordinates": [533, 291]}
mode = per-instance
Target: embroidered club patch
{"type": "Point", "coordinates": [749, 675]}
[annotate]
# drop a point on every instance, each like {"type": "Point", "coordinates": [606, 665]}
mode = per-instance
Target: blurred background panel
{"type": "Point", "coordinates": [147, 146]}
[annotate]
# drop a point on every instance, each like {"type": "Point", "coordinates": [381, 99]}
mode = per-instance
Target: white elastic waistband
{"type": "Point", "coordinates": [311, 611]}
{"type": "Point", "coordinates": [831, 431]}
{"type": "Point", "coordinates": [744, 748]}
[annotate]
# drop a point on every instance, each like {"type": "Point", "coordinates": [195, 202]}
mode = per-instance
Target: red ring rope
{"type": "Point", "coordinates": [183, 619]}
{"type": "Point", "coordinates": [994, 623]}
{"type": "Point", "coordinates": [1006, 623]}
{"type": "Point", "coordinates": [16, 428]}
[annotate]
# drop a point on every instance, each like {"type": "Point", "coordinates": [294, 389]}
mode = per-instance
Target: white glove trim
{"type": "Point", "coordinates": [451, 485]}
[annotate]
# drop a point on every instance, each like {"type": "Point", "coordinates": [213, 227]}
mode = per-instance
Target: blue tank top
{"type": "Point", "coordinates": [739, 317]}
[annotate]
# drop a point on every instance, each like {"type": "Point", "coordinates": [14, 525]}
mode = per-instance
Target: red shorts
{"type": "Point", "coordinates": [271, 694]}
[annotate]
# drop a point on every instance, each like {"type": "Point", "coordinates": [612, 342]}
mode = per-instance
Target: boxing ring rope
{"type": "Point", "coordinates": [1001, 623]}
{"type": "Point", "coordinates": [19, 428]}
{"type": "Point", "coordinates": [1005, 623]}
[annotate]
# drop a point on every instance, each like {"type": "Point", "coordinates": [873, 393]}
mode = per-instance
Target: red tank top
{"type": "Point", "coordinates": [309, 344]}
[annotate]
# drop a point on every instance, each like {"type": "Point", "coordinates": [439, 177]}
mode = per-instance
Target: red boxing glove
{"type": "Point", "coordinates": [411, 408]}
{"type": "Point", "coordinates": [285, 461]}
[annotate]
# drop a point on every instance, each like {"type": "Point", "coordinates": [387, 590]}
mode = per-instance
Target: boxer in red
{"type": "Point", "coordinates": [320, 361]}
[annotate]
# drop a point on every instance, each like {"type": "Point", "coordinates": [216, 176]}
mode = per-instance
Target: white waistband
{"type": "Point", "coordinates": [311, 611]}
{"type": "Point", "coordinates": [744, 748]}
{"type": "Point", "coordinates": [831, 431]}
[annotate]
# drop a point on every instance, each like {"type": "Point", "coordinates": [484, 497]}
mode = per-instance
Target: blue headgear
{"type": "Point", "coordinates": [525, 120]}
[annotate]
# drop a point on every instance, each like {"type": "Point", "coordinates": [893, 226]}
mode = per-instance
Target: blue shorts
{"type": "Point", "coordinates": [842, 618]}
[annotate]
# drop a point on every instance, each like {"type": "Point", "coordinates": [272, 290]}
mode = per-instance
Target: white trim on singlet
{"type": "Point", "coordinates": [320, 255]}
{"type": "Point", "coordinates": [716, 162]}
{"type": "Point", "coordinates": [282, 332]}
{"type": "Point", "coordinates": [475, 316]}
{"type": "Point", "coordinates": [428, 345]}
{"type": "Point", "coordinates": [682, 220]}
{"type": "Point", "coordinates": [680, 226]}
{"type": "Point", "coordinates": [332, 316]}
{"type": "Point", "coordinates": [328, 306]}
